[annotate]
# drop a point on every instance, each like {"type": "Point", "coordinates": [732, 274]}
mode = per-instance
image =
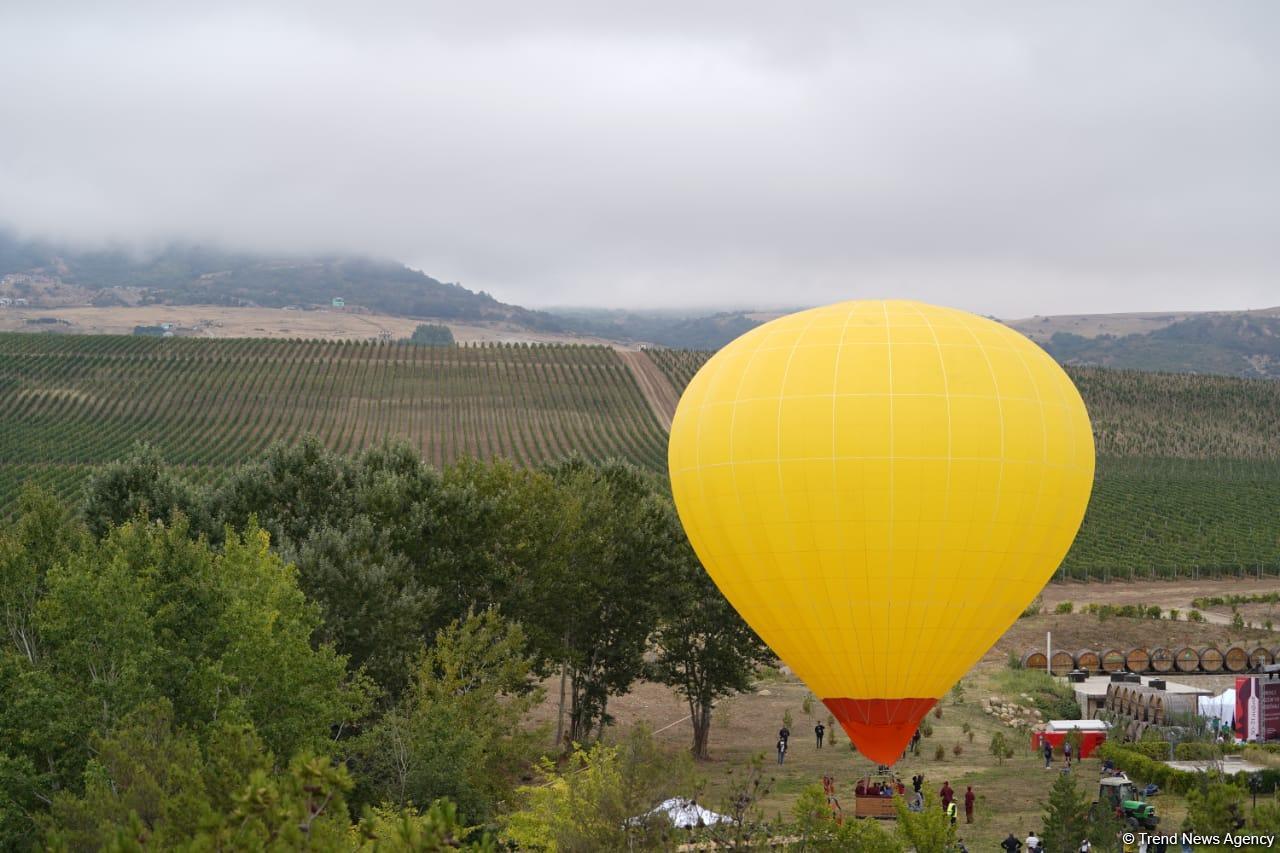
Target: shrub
{"type": "Point", "coordinates": [957, 750]}
{"type": "Point", "coordinates": [1015, 662]}
{"type": "Point", "coordinates": [1195, 616]}
{"type": "Point", "coordinates": [1064, 607]}
{"type": "Point", "coordinates": [1196, 751]}
{"type": "Point", "coordinates": [1173, 614]}
{"type": "Point", "coordinates": [937, 712]}
{"type": "Point", "coordinates": [1237, 621]}
{"type": "Point", "coordinates": [1141, 768]}
{"type": "Point", "coordinates": [1000, 747]}
{"type": "Point", "coordinates": [1154, 611]}
{"type": "Point", "coordinates": [939, 753]}
{"type": "Point", "coordinates": [1034, 608]}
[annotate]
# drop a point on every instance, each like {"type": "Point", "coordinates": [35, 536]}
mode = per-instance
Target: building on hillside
{"type": "Point", "coordinates": [1136, 696]}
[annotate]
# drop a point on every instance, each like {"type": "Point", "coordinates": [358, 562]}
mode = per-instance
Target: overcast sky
{"type": "Point", "coordinates": [1012, 158]}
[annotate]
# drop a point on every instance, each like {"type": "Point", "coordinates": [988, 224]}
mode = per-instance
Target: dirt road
{"type": "Point", "coordinates": [655, 386]}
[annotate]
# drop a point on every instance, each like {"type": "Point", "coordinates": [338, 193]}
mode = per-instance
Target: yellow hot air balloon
{"type": "Point", "coordinates": [880, 488]}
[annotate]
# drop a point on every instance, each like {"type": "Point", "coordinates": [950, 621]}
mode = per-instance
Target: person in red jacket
{"type": "Point", "coordinates": [968, 804]}
{"type": "Point", "coordinates": [948, 795]}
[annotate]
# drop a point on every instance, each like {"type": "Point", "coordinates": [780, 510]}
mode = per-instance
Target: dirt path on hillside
{"type": "Point", "coordinates": [657, 390]}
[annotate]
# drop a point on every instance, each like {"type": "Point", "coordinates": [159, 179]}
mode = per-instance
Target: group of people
{"type": "Point", "coordinates": [949, 804]}
{"type": "Point", "coordinates": [784, 739]}
{"type": "Point", "coordinates": [1047, 749]}
{"type": "Point", "coordinates": [867, 788]}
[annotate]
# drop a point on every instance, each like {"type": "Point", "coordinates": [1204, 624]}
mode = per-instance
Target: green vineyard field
{"type": "Point", "coordinates": [70, 402]}
{"type": "Point", "coordinates": [1188, 478]}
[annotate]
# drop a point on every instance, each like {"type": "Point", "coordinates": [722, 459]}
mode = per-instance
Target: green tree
{"type": "Point", "coordinates": [140, 485]}
{"type": "Point", "coordinates": [432, 335]}
{"type": "Point", "coordinates": [704, 649]}
{"type": "Point", "coordinates": [1215, 808]}
{"type": "Point", "coordinates": [151, 785]}
{"type": "Point", "coordinates": [1066, 816]}
{"type": "Point", "coordinates": [1000, 747]}
{"type": "Point", "coordinates": [459, 731]}
{"type": "Point", "coordinates": [928, 830]}
{"type": "Point", "coordinates": [604, 599]}
{"type": "Point", "coordinates": [815, 824]}
{"type": "Point", "coordinates": [436, 830]}
{"type": "Point", "coordinates": [600, 799]}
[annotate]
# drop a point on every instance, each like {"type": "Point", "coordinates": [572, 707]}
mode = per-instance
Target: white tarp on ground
{"type": "Point", "coordinates": [686, 814]}
{"type": "Point", "coordinates": [1221, 707]}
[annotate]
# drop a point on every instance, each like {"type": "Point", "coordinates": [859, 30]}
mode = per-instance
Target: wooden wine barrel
{"type": "Point", "coordinates": [1088, 660]}
{"type": "Point", "coordinates": [1063, 662]}
{"type": "Point", "coordinates": [1126, 701]}
{"type": "Point", "coordinates": [1261, 657]}
{"type": "Point", "coordinates": [1236, 659]}
{"type": "Point", "coordinates": [1210, 659]}
{"type": "Point", "coordinates": [1155, 710]}
{"type": "Point", "coordinates": [1034, 660]}
{"type": "Point", "coordinates": [1144, 707]}
{"type": "Point", "coordinates": [1131, 731]}
{"type": "Point", "coordinates": [1138, 660]}
{"type": "Point", "coordinates": [1113, 660]}
{"type": "Point", "coordinates": [1186, 659]}
{"type": "Point", "coordinates": [1162, 660]}
{"type": "Point", "coordinates": [1140, 729]}
{"type": "Point", "coordinates": [1112, 697]}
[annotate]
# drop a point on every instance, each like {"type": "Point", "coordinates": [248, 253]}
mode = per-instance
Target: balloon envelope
{"type": "Point", "coordinates": [880, 489]}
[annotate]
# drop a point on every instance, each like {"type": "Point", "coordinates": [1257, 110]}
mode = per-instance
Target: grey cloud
{"type": "Point", "coordinates": [1011, 158]}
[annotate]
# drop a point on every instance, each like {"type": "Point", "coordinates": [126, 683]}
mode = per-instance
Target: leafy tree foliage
{"type": "Point", "coordinates": [705, 650]}
{"type": "Point", "coordinates": [1215, 808]}
{"type": "Point", "coordinates": [1066, 816]}
{"type": "Point", "coordinates": [140, 485]}
{"type": "Point", "coordinates": [432, 335]}
{"type": "Point", "coordinates": [458, 731]}
{"type": "Point", "coordinates": [600, 799]}
{"type": "Point", "coordinates": [928, 830]}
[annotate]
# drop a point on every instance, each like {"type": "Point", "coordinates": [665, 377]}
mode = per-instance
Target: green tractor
{"type": "Point", "coordinates": [1119, 794]}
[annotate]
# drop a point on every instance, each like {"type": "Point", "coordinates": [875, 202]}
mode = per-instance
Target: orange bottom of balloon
{"type": "Point", "coordinates": [880, 728]}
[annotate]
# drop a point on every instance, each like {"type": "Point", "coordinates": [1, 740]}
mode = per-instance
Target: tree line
{"type": "Point", "coordinates": [322, 648]}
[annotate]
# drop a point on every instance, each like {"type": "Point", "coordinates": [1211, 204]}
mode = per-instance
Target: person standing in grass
{"type": "Point", "coordinates": [782, 749]}
{"type": "Point", "coordinates": [947, 795]}
{"type": "Point", "coordinates": [819, 730]}
{"type": "Point", "coordinates": [1066, 752]}
{"type": "Point", "coordinates": [1048, 754]}
{"type": "Point", "coordinates": [968, 804]}
{"type": "Point", "coordinates": [1011, 844]}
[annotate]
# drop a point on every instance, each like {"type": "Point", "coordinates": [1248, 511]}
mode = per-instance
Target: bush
{"type": "Point", "coordinates": [957, 750]}
{"type": "Point", "coordinates": [1015, 662]}
{"type": "Point", "coordinates": [1154, 611]}
{"type": "Point", "coordinates": [1173, 614]}
{"type": "Point", "coordinates": [1143, 769]}
{"type": "Point", "coordinates": [1034, 608]}
{"type": "Point", "coordinates": [1196, 751]}
{"type": "Point", "coordinates": [1195, 616]}
{"type": "Point", "coordinates": [1064, 607]}
{"type": "Point", "coordinates": [939, 753]}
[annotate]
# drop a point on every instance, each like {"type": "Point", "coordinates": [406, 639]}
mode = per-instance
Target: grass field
{"type": "Point", "coordinates": [70, 402]}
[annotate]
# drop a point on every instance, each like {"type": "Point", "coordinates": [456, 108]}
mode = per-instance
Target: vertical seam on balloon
{"type": "Point", "coordinates": [946, 511]}
{"type": "Point", "coordinates": [733, 472]}
{"type": "Point", "coordinates": [1044, 450]}
{"type": "Point", "coordinates": [888, 332]}
{"type": "Point", "coordinates": [853, 621]}
{"type": "Point", "coordinates": [995, 383]}
{"type": "Point", "coordinates": [815, 648]}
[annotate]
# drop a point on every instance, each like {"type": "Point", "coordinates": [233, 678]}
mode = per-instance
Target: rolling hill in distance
{"type": "Point", "coordinates": [51, 280]}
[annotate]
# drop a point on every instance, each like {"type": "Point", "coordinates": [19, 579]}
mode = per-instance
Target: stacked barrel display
{"type": "Point", "coordinates": [1157, 661]}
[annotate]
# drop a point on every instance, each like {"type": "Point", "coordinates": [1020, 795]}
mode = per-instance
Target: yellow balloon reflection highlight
{"type": "Point", "coordinates": [880, 488]}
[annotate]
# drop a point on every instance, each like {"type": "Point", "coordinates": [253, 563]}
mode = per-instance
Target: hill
{"type": "Point", "coordinates": [1188, 477]}
{"type": "Point", "coordinates": [69, 402]}
{"type": "Point", "coordinates": [1243, 343]}
{"type": "Point", "coordinates": [48, 275]}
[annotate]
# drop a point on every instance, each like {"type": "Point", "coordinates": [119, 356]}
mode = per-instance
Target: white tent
{"type": "Point", "coordinates": [1221, 707]}
{"type": "Point", "coordinates": [685, 814]}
